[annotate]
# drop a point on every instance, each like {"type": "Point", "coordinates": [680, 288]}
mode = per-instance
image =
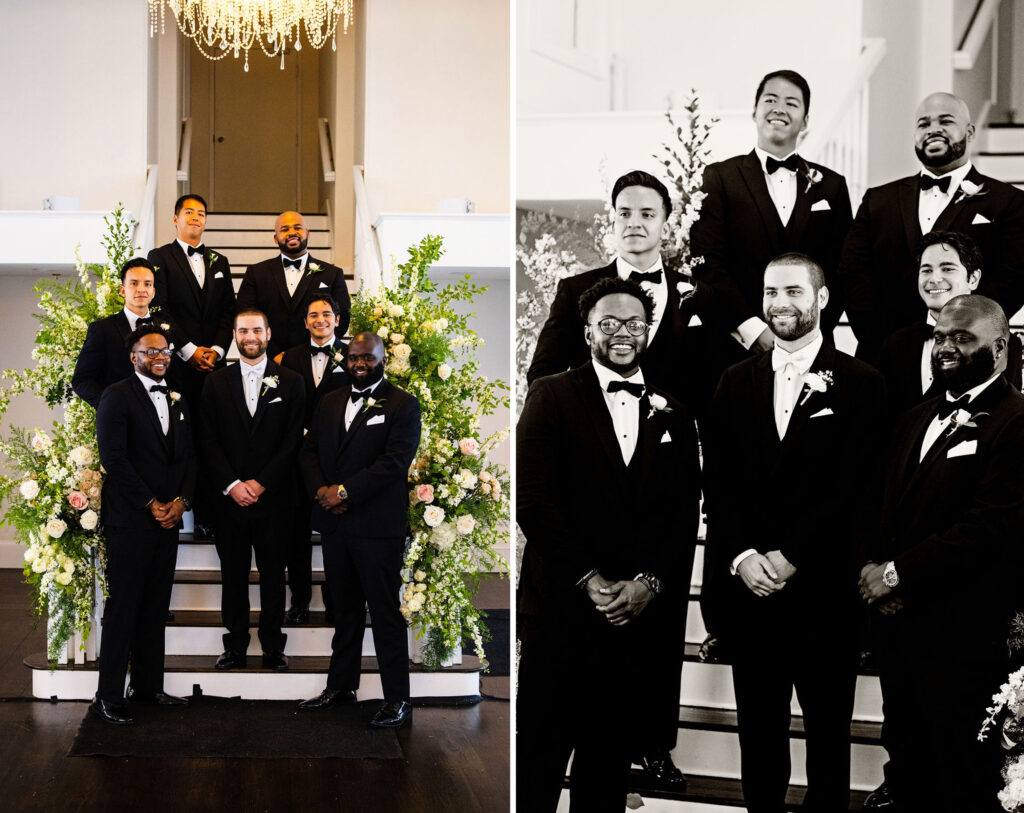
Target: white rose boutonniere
{"type": "Point", "coordinates": [174, 396]}
{"type": "Point", "coordinates": [685, 290]}
{"type": "Point", "coordinates": [212, 257]}
{"type": "Point", "coordinates": [313, 268]}
{"type": "Point", "coordinates": [962, 417]}
{"type": "Point", "coordinates": [164, 326]}
{"type": "Point", "coordinates": [269, 383]}
{"type": "Point", "coordinates": [658, 404]}
{"type": "Point", "coordinates": [339, 357]}
{"type": "Point", "coordinates": [817, 382]}
{"type": "Point", "coordinates": [813, 177]}
{"type": "Point", "coordinates": [969, 189]}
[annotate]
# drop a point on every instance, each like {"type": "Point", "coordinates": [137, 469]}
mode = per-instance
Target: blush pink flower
{"type": "Point", "coordinates": [78, 500]}
{"type": "Point", "coordinates": [425, 493]}
{"type": "Point", "coordinates": [469, 447]}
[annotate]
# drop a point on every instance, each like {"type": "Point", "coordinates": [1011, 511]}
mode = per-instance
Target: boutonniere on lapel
{"type": "Point", "coordinates": [212, 257]}
{"type": "Point", "coordinates": [969, 189]}
{"type": "Point", "coordinates": [813, 177]}
{"type": "Point", "coordinates": [174, 396]}
{"type": "Point", "coordinates": [658, 404]}
{"type": "Point", "coordinates": [818, 381]}
{"type": "Point", "coordinates": [686, 289]}
{"type": "Point", "coordinates": [269, 383]}
{"type": "Point", "coordinates": [962, 417]}
{"type": "Point", "coordinates": [313, 268]}
{"type": "Point", "coordinates": [372, 403]}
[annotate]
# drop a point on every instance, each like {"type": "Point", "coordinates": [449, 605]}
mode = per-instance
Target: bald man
{"type": "Point", "coordinates": [878, 269]}
{"type": "Point", "coordinates": [281, 286]}
{"type": "Point", "coordinates": [944, 580]}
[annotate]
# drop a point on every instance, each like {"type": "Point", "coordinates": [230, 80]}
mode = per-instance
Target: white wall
{"type": "Point", "coordinates": [73, 91]}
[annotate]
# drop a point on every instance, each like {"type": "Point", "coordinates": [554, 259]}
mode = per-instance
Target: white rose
{"type": "Point", "coordinates": [378, 311]}
{"type": "Point", "coordinates": [32, 554]}
{"type": "Point", "coordinates": [81, 456]}
{"type": "Point", "coordinates": [420, 588]}
{"type": "Point", "coordinates": [89, 520]}
{"type": "Point", "coordinates": [401, 351]}
{"type": "Point", "coordinates": [442, 324]}
{"type": "Point", "coordinates": [433, 515]}
{"type": "Point", "coordinates": [63, 578]}
{"type": "Point", "coordinates": [419, 575]}
{"type": "Point", "coordinates": [443, 536]}
{"type": "Point", "coordinates": [397, 338]}
{"type": "Point", "coordinates": [396, 310]}
{"type": "Point", "coordinates": [397, 366]}
{"type": "Point", "coordinates": [444, 372]}
{"type": "Point", "coordinates": [383, 331]}
{"type": "Point", "coordinates": [465, 524]}
{"type": "Point", "coordinates": [29, 489]}
{"type": "Point", "coordinates": [466, 479]}
{"type": "Point", "coordinates": [56, 527]}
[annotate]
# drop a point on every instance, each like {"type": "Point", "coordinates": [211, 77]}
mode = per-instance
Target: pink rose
{"type": "Point", "coordinates": [78, 500]}
{"type": "Point", "coordinates": [425, 493]}
{"type": "Point", "coordinates": [468, 446]}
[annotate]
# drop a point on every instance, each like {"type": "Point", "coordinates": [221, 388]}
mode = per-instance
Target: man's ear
{"type": "Point", "coordinates": [822, 297]}
{"type": "Point", "coordinates": [587, 334]}
{"type": "Point", "coordinates": [1000, 345]}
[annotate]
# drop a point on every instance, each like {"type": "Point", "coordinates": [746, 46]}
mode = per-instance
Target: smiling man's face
{"type": "Point", "coordinates": [780, 115]}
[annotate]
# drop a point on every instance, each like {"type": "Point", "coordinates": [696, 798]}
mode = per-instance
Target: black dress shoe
{"type": "Point", "coordinates": [231, 660]}
{"type": "Point", "coordinates": [115, 712]}
{"type": "Point", "coordinates": [328, 698]}
{"type": "Point", "coordinates": [170, 615]}
{"type": "Point", "coordinates": [276, 661]}
{"type": "Point", "coordinates": [156, 698]}
{"type": "Point", "coordinates": [658, 766]}
{"type": "Point", "coordinates": [297, 615]}
{"type": "Point", "coordinates": [881, 798]}
{"type": "Point", "coordinates": [710, 650]}
{"type": "Point", "coordinates": [392, 715]}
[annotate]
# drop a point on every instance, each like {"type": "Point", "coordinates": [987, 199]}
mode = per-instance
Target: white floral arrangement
{"type": "Point", "coordinates": [1010, 700]}
{"type": "Point", "coordinates": [458, 503]}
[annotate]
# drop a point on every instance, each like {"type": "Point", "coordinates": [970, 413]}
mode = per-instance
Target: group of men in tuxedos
{"type": "Point", "coordinates": [176, 423]}
{"type": "Point", "coordinates": [883, 492]}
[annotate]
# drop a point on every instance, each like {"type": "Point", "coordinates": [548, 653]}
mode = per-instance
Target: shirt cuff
{"type": "Point", "coordinates": [582, 583]}
{"type": "Point", "coordinates": [736, 562]}
{"type": "Point", "coordinates": [748, 331]}
{"type": "Point", "coordinates": [187, 351]}
{"type": "Point", "coordinates": [216, 348]}
{"type": "Point", "coordinates": [231, 485]}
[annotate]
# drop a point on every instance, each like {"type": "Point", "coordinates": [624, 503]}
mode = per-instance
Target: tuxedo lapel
{"type": "Point", "coordinates": [764, 398]}
{"type": "Point", "coordinates": [808, 401]}
{"type": "Point", "coordinates": [179, 256]}
{"type": "Point", "coordinates": [305, 282]}
{"type": "Point", "coordinates": [275, 268]}
{"type": "Point", "coordinates": [676, 322]}
{"type": "Point", "coordinates": [142, 395]}
{"type": "Point", "coordinates": [753, 176]}
{"type": "Point", "coordinates": [950, 217]}
{"type": "Point", "coordinates": [237, 393]}
{"type": "Point", "coordinates": [801, 208]}
{"type": "Point", "coordinates": [378, 395]}
{"type": "Point", "coordinates": [122, 325]}
{"type": "Point", "coordinates": [329, 368]}
{"type": "Point", "coordinates": [908, 196]}
{"type": "Point", "coordinates": [266, 395]}
{"type": "Point", "coordinates": [588, 390]}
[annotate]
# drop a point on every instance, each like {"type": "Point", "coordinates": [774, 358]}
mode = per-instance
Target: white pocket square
{"type": "Point", "coordinates": [276, 401]}
{"type": "Point", "coordinates": [980, 218]}
{"type": "Point", "coordinates": [820, 206]}
{"type": "Point", "coordinates": [822, 412]}
{"type": "Point", "coordinates": [323, 284]}
{"type": "Point", "coordinates": [181, 416]}
{"type": "Point", "coordinates": [963, 448]}
{"type": "Point", "coordinates": [694, 321]}
{"type": "Point", "coordinates": [337, 370]}
{"type": "Point", "coordinates": [378, 419]}
{"type": "Point", "coordinates": [666, 438]}
{"type": "Point", "coordinates": [219, 275]}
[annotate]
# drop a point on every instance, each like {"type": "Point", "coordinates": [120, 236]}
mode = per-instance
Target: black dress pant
{"type": "Point", "coordinates": [140, 573]}
{"type": "Point", "coordinates": [365, 573]}
{"type": "Point", "coordinates": [238, 535]}
{"type": "Point", "coordinates": [300, 559]}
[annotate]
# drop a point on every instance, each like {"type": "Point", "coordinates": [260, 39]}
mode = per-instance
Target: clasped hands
{"type": "Point", "coordinates": [619, 602]}
{"type": "Point", "coordinates": [204, 359]}
{"type": "Point", "coordinates": [246, 492]}
{"type": "Point", "coordinates": [873, 589]}
{"type": "Point", "coordinates": [167, 514]}
{"type": "Point", "coordinates": [328, 499]}
{"type": "Point", "coordinates": [766, 573]}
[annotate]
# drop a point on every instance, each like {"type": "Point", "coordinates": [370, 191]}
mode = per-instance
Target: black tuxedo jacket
{"type": "Point", "coordinates": [814, 495]}
{"type": "Point", "coordinates": [371, 459]}
{"type": "Point", "coordinates": [261, 447]}
{"type": "Point", "coordinates": [953, 524]}
{"type": "Point", "coordinates": [335, 375]}
{"type": "Point", "coordinates": [141, 462]}
{"type": "Point", "coordinates": [739, 232]}
{"type": "Point", "coordinates": [263, 287]}
{"type": "Point", "coordinates": [900, 364]}
{"type": "Point", "coordinates": [878, 267]}
{"type": "Point", "coordinates": [204, 315]}
{"type": "Point", "coordinates": [581, 507]}
{"type": "Point", "coordinates": [561, 345]}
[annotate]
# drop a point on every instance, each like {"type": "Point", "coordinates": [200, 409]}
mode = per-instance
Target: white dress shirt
{"type": "Point", "coordinates": [938, 426]}
{"type": "Point", "coordinates": [319, 361]}
{"type": "Point", "coordinates": [659, 291]}
{"type": "Point", "coordinates": [160, 400]}
{"type": "Point", "coordinates": [926, 359]}
{"type": "Point", "coordinates": [198, 266]}
{"type": "Point", "coordinates": [930, 204]}
{"type": "Point", "coordinates": [353, 407]}
{"type": "Point", "coordinates": [623, 407]}
{"type": "Point", "coordinates": [252, 382]}
{"type": "Point", "coordinates": [293, 275]}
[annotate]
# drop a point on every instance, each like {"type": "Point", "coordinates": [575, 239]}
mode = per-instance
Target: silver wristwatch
{"type": "Point", "coordinates": [889, 577]}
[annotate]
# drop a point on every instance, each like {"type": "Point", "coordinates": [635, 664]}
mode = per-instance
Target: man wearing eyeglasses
{"type": "Point", "coordinates": [608, 492]}
{"type": "Point", "coordinates": [145, 444]}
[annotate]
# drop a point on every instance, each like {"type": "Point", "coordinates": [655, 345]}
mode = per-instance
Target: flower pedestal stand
{"type": "Point", "coordinates": [418, 638]}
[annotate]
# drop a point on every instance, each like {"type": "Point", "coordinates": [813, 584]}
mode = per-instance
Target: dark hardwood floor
{"type": "Point", "coordinates": [456, 759]}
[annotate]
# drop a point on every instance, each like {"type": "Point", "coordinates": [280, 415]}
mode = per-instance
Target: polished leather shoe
{"type": "Point", "coordinates": [116, 712]}
{"type": "Point", "coordinates": [297, 615]}
{"type": "Point", "coordinates": [328, 698]}
{"type": "Point", "coordinates": [392, 715]}
{"type": "Point", "coordinates": [276, 661]}
{"type": "Point", "coordinates": [230, 660]}
{"type": "Point", "coordinates": [881, 798]}
{"type": "Point", "coordinates": [156, 698]}
{"type": "Point", "coordinates": [659, 767]}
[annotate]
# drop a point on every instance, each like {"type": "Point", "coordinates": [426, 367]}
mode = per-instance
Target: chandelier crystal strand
{"type": "Point", "coordinates": [220, 27]}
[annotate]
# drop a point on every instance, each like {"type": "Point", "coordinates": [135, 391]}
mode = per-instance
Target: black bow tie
{"type": "Point", "coordinates": [159, 388]}
{"type": "Point", "coordinates": [927, 182]}
{"type": "Point", "coordinates": [143, 320]}
{"type": "Point", "coordinates": [326, 350]}
{"type": "Point", "coordinates": [947, 408]}
{"type": "Point", "coordinates": [359, 395]}
{"type": "Point", "coordinates": [293, 263]}
{"type": "Point", "coordinates": [196, 249]}
{"type": "Point", "coordinates": [792, 164]}
{"type": "Point", "coordinates": [654, 277]}
{"type": "Point", "coordinates": [632, 387]}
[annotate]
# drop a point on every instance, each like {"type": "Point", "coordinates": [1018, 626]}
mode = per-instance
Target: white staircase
{"type": "Point", "coordinates": [1000, 153]}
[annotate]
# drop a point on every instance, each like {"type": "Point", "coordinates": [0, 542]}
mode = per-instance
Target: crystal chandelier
{"type": "Point", "coordinates": [222, 27]}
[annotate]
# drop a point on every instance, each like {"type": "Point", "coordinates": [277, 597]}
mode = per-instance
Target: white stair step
{"type": "Point", "coordinates": [304, 640]}
{"type": "Point", "coordinates": [1008, 167]}
{"type": "Point", "coordinates": [203, 556]}
{"type": "Point", "coordinates": [257, 222]}
{"type": "Point", "coordinates": [1001, 139]}
{"type": "Point", "coordinates": [228, 240]}
{"type": "Point", "coordinates": [207, 597]}
{"type": "Point", "coordinates": [255, 253]}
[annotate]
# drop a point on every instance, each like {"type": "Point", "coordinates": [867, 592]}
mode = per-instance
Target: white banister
{"type": "Point", "coordinates": [326, 159]}
{"type": "Point", "coordinates": [185, 149]}
{"type": "Point", "coordinates": [981, 24]}
{"type": "Point", "coordinates": [841, 142]}
{"type": "Point", "coordinates": [368, 267]}
{"type": "Point", "coordinates": [143, 238]}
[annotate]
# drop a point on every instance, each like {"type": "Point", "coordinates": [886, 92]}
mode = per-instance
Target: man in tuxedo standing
{"type": "Point", "coordinates": [103, 359]}
{"type": "Point", "coordinates": [608, 490]}
{"type": "Point", "coordinates": [792, 457]}
{"type": "Point", "coordinates": [193, 287]}
{"type": "Point", "coordinates": [950, 265]}
{"type": "Point", "coordinates": [251, 430]}
{"type": "Point", "coordinates": [321, 363]}
{"type": "Point", "coordinates": [145, 445]}
{"type": "Point", "coordinates": [945, 574]}
{"type": "Point", "coordinates": [878, 269]}
{"type": "Point", "coordinates": [281, 286]}
{"type": "Point", "coordinates": [355, 461]}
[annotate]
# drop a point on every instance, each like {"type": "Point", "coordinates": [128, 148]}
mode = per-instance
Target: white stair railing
{"type": "Point", "coordinates": [143, 236]}
{"type": "Point", "coordinates": [326, 160]}
{"type": "Point", "coordinates": [369, 270]}
{"type": "Point", "coordinates": [185, 150]}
